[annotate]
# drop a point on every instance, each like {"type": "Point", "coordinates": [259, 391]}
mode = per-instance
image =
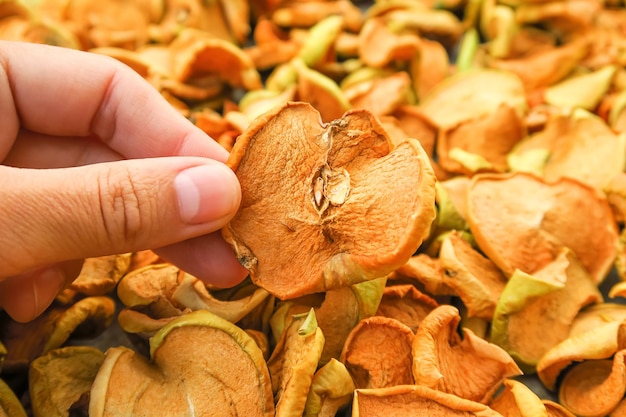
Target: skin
{"type": "Point", "coordinates": [95, 162]}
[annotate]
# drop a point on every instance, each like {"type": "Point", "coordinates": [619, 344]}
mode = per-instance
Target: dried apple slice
{"type": "Point", "coordinates": [562, 288]}
{"type": "Point", "coordinates": [491, 136]}
{"type": "Point", "coordinates": [580, 145]}
{"type": "Point", "coordinates": [516, 399]}
{"type": "Point", "coordinates": [583, 91]}
{"type": "Point", "coordinates": [377, 353]}
{"type": "Point", "coordinates": [475, 279]}
{"type": "Point", "coordinates": [599, 342]}
{"type": "Point", "coordinates": [337, 312]}
{"type": "Point", "coordinates": [196, 54]}
{"type": "Point", "coordinates": [424, 271]}
{"type": "Point", "coordinates": [333, 176]}
{"type": "Point", "coordinates": [471, 95]}
{"type": "Point", "coordinates": [379, 45]}
{"type": "Point", "coordinates": [522, 222]}
{"type": "Point", "coordinates": [331, 389]}
{"type": "Point", "coordinates": [58, 379]}
{"type": "Point", "coordinates": [100, 275]}
{"type": "Point", "coordinates": [470, 368]}
{"type": "Point", "coordinates": [381, 95]}
{"type": "Point", "coordinates": [87, 317]}
{"type": "Point", "coordinates": [594, 388]}
{"type": "Point", "coordinates": [406, 304]}
{"type": "Point", "coordinates": [555, 409]}
{"type": "Point", "coordinates": [228, 377]}
{"type": "Point", "coordinates": [544, 67]}
{"type": "Point", "coordinates": [415, 401]}
{"type": "Point", "coordinates": [154, 294]}
{"type": "Point", "coordinates": [293, 363]}
{"type": "Point", "coordinates": [10, 405]}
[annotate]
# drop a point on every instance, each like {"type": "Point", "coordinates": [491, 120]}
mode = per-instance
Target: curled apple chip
{"type": "Point", "coordinates": [294, 362]}
{"type": "Point", "coordinates": [228, 377]}
{"type": "Point", "coordinates": [562, 287]}
{"type": "Point", "coordinates": [337, 311]}
{"type": "Point", "coordinates": [331, 389]}
{"type": "Point", "coordinates": [468, 367]}
{"type": "Point", "coordinates": [154, 294]}
{"type": "Point", "coordinates": [475, 279]}
{"type": "Point", "coordinates": [10, 405]}
{"type": "Point", "coordinates": [85, 318]}
{"type": "Point", "coordinates": [491, 137]}
{"type": "Point", "coordinates": [581, 146]}
{"type": "Point", "coordinates": [417, 401]}
{"type": "Point", "coordinates": [100, 275]}
{"type": "Point", "coordinates": [555, 409]}
{"type": "Point", "coordinates": [196, 54]}
{"type": "Point", "coordinates": [472, 95]}
{"type": "Point", "coordinates": [338, 182]}
{"type": "Point", "coordinates": [405, 303]}
{"type": "Point", "coordinates": [378, 354]}
{"type": "Point", "coordinates": [522, 222]}
{"type": "Point", "coordinates": [594, 388]}
{"type": "Point", "coordinates": [516, 399]}
{"type": "Point", "coordinates": [600, 342]}
{"type": "Point", "coordinates": [58, 379]}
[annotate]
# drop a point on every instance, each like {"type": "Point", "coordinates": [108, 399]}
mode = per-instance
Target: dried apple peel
{"type": "Point", "coordinates": [229, 375]}
{"type": "Point", "coordinates": [322, 191]}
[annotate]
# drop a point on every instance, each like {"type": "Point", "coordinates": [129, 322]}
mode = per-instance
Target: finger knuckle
{"type": "Point", "coordinates": [121, 206]}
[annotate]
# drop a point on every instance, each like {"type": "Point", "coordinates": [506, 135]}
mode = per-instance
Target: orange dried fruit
{"type": "Point", "coordinates": [229, 374]}
{"type": "Point", "coordinates": [377, 353]}
{"type": "Point", "coordinates": [333, 177]}
{"type": "Point", "coordinates": [416, 401]}
{"type": "Point", "coordinates": [58, 379]}
{"type": "Point", "coordinates": [196, 54]}
{"type": "Point", "coordinates": [381, 95]}
{"type": "Point", "coordinates": [100, 275]}
{"type": "Point", "coordinates": [339, 311]}
{"type": "Point", "coordinates": [580, 145]}
{"type": "Point", "coordinates": [429, 67]}
{"type": "Point", "coordinates": [555, 409]}
{"type": "Point", "coordinates": [405, 303]}
{"type": "Point", "coordinates": [294, 362]}
{"type": "Point", "coordinates": [158, 293]}
{"type": "Point", "coordinates": [468, 367]}
{"type": "Point", "coordinates": [472, 95]}
{"type": "Point", "coordinates": [541, 218]}
{"type": "Point", "coordinates": [424, 271]}
{"type": "Point", "coordinates": [562, 288]}
{"type": "Point", "coordinates": [594, 388]}
{"type": "Point", "coordinates": [10, 405]}
{"type": "Point", "coordinates": [516, 399]}
{"type": "Point", "coordinates": [599, 342]}
{"type": "Point", "coordinates": [332, 388]}
{"type": "Point", "coordinates": [24, 342]}
{"type": "Point", "coordinates": [379, 45]}
{"type": "Point", "coordinates": [544, 67]}
{"type": "Point", "coordinates": [474, 278]}
{"type": "Point", "coordinates": [491, 137]}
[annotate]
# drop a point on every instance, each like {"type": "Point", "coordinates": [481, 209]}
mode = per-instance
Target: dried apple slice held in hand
{"type": "Point", "coordinates": [326, 205]}
{"type": "Point", "coordinates": [200, 364]}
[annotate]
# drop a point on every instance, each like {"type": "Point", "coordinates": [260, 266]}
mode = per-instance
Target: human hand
{"type": "Point", "coordinates": [95, 162]}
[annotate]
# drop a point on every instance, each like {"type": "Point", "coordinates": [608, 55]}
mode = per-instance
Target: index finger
{"type": "Point", "coordinates": [62, 92]}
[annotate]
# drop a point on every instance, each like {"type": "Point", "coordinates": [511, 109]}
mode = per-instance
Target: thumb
{"type": "Point", "coordinates": [55, 215]}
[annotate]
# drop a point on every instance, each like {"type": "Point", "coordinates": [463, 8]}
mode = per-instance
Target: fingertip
{"type": "Point", "coordinates": [26, 296]}
{"type": "Point", "coordinates": [208, 258]}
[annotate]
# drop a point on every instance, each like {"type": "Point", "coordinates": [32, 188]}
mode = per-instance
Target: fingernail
{"type": "Point", "coordinates": [206, 193]}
